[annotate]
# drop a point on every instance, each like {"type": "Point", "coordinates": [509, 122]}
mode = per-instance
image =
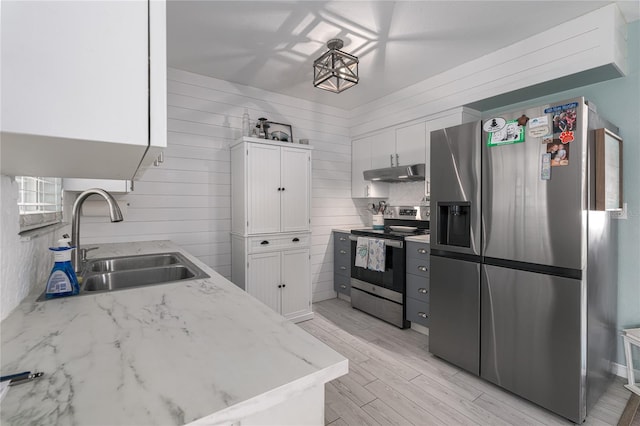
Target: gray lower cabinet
{"type": "Point", "coordinates": [341, 263]}
{"type": "Point", "coordinates": [418, 292]}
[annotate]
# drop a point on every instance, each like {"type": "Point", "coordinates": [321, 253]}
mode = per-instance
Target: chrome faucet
{"type": "Point", "coordinates": [114, 213]}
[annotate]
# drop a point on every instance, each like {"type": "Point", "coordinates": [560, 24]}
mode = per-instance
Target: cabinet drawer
{"type": "Point", "coordinates": [418, 287]}
{"type": "Point", "coordinates": [341, 238]}
{"type": "Point", "coordinates": [342, 254]}
{"type": "Point", "coordinates": [342, 261]}
{"type": "Point", "coordinates": [342, 284]}
{"type": "Point", "coordinates": [418, 266]}
{"type": "Point", "coordinates": [260, 244]}
{"type": "Point", "coordinates": [341, 241]}
{"type": "Point", "coordinates": [417, 311]}
{"type": "Point", "coordinates": [417, 250]}
{"type": "Point", "coordinates": [341, 264]}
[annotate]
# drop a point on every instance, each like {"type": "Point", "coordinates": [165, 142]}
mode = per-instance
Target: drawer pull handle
{"type": "Point", "coordinates": [296, 239]}
{"type": "Point", "coordinates": [423, 315]}
{"type": "Point", "coordinates": [343, 252]}
{"type": "Point", "coordinates": [264, 243]}
{"type": "Point", "coordinates": [422, 290]}
{"type": "Point", "coordinates": [342, 286]}
{"type": "Point", "coordinates": [344, 268]}
{"type": "Point", "coordinates": [343, 239]}
{"type": "Point", "coordinates": [422, 251]}
{"type": "Point", "coordinates": [422, 268]}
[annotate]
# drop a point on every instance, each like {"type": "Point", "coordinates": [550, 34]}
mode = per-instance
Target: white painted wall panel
{"type": "Point", "coordinates": [188, 198]}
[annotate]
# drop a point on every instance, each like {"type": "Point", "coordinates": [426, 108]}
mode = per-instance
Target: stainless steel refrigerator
{"type": "Point", "coordinates": [523, 269]}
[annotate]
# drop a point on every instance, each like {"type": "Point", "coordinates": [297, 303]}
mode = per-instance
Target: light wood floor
{"type": "Point", "coordinates": [394, 380]}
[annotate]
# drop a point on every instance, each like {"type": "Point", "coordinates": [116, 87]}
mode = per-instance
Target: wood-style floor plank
{"type": "Point", "coordinates": [348, 411]}
{"type": "Point", "coordinates": [406, 408]}
{"type": "Point", "coordinates": [394, 380]}
{"type": "Point", "coordinates": [384, 414]}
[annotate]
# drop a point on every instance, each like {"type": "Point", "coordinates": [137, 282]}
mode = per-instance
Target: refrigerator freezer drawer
{"type": "Point", "coordinates": [454, 323]}
{"type": "Point", "coordinates": [533, 336]}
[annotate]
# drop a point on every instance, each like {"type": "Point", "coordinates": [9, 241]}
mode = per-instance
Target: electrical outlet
{"type": "Point", "coordinates": [620, 214]}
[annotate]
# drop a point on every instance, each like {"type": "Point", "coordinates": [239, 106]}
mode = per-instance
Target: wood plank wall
{"type": "Point", "coordinates": [187, 199]}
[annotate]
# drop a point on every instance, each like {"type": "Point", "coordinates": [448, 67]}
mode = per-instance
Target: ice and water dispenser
{"type": "Point", "coordinates": [454, 220]}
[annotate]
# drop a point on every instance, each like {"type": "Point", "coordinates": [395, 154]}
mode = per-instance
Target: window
{"type": "Point", "coordinates": [39, 201]}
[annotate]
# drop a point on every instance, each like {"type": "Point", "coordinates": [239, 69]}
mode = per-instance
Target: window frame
{"type": "Point", "coordinates": [40, 201]}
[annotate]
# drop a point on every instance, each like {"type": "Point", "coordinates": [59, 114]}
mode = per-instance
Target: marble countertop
{"type": "Point", "coordinates": [345, 230]}
{"type": "Point", "coordinates": [200, 351]}
{"type": "Point", "coordinates": [419, 238]}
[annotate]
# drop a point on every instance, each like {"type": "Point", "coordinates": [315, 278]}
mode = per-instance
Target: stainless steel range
{"type": "Point", "coordinates": [381, 293]}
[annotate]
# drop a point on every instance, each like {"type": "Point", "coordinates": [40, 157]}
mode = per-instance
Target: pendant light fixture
{"type": "Point", "coordinates": [335, 70]}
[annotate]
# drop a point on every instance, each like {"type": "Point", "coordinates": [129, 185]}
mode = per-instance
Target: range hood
{"type": "Point", "coordinates": [410, 173]}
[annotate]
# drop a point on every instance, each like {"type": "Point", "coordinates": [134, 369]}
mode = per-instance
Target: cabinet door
{"type": "Point", "coordinates": [296, 190]}
{"type": "Point", "coordinates": [264, 277]}
{"type": "Point", "coordinates": [383, 148]}
{"type": "Point", "coordinates": [296, 276]}
{"type": "Point", "coordinates": [263, 188]}
{"type": "Point", "coordinates": [411, 144]}
{"type": "Point", "coordinates": [361, 161]}
{"type": "Point", "coordinates": [76, 91]}
{"type": "Point", "coordinates": [71, 74]}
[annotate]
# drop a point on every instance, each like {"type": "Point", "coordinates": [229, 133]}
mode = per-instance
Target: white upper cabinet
{"type": "Point", "coordinates": [83, 87]}
{"type": "Point", "coordinates": [383, 149]}
{"type": "Point", "coordinates": [263, 188]}
{"type": "Point", "coordinates": [271, 187]}
{"type": "Point", "coordinates": [411, 145]}
{"type": "Point", "coordinates": [361, 153]}
{"type": "Point", "coordinates": [295, 195]}
{"type": "Point", "coordinates": [401, 146]}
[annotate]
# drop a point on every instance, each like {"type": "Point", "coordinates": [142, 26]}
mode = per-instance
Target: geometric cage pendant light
{"type": "Point", "coordinates": [335, 70]}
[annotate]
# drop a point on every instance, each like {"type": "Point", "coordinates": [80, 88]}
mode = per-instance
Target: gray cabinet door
{"type": "Point", "coordinates": [454, 323]}
{"type": "Point", "coordinates": [531, 337]}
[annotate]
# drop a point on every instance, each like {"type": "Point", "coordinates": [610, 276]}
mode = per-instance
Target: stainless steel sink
{"type": "Point", "coordinates": [134, 262]}
{"type": "Point", "coordinates": [120, 273]}
{"type": "Point", "coordinates": [119, 280]}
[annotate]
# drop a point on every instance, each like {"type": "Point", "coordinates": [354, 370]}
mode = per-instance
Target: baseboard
{"type": "Point", "coordinates": [323, 295]}
{"type": "Point", "coordinates": [344, 297]}
{"type": "Point", "coordinates": [420, 328]}
{"type": "Point", "coordinates": [621, 370]}
{"type": "Point", "coordinates": [300, 318]}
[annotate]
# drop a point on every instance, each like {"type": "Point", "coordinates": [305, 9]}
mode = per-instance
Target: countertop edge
{"type": "Point", "coordinates": [275, 396]}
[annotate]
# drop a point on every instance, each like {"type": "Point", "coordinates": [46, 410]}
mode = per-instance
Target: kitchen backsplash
{"type": "Point", "coordinates": [406, 194]}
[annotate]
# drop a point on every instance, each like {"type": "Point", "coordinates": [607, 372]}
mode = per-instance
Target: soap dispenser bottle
{"type": "Point", "coordinates": [62, 280]}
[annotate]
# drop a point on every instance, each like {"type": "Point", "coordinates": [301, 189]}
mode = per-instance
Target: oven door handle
{"type": "Point", "coordinates": [389, 243]}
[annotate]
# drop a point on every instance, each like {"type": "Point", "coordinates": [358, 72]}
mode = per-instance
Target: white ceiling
{"type": "Point", "coordinates": [272, 44]}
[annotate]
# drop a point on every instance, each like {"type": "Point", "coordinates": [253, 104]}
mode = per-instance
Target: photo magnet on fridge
{"type": "Point", "coordinates": [559, 153]}
{"type": "Point", "coordinates": [510, 134]}
{"type": "Point", "coordinates": [565, 119]}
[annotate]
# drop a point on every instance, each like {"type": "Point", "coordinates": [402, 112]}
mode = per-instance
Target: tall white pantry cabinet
{"type": "Point", "coordinates": [271, 224]}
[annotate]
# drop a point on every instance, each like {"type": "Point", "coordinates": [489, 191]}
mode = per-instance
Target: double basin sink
{"type": "Point", "coordinates": [120, 273]}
